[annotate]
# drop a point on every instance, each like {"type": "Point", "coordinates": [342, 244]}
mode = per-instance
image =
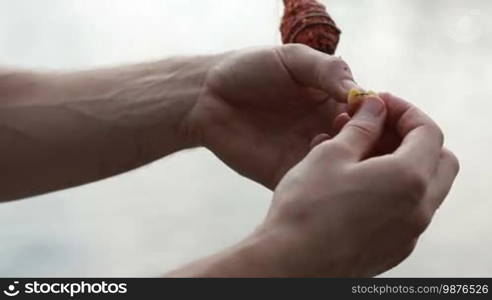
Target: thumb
{"type": "Point", "coordinates": [317, 70]}
{"type": "Point", "coordinates": [364, 129]}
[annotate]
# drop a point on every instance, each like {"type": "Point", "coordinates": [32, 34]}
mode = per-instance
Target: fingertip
{"type": "Point", "coordinates": [365, 127]}
{"type": "Point", "coordinates": [335, 75]}
{"type": "Point", "coordinates": [385, 96]}
{"type": "Point", "coordinates": [355, 106]}
{"type": "Point", "coordinates": [346, 86]}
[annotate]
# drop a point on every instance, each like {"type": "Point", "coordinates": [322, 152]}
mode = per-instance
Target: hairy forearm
{"type": "Point", "coordinates": [59, 130]}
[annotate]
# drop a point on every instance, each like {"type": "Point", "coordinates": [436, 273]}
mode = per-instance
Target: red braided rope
{"type": "Point", "coordinates": [307, 22]}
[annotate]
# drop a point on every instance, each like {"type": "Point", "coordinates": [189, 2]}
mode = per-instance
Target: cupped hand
{"type": "Point", "coordinates": [344, 212]}
{"type": "Point", "coordinates": [261, 108]}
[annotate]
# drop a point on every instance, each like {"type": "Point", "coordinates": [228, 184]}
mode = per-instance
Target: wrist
{"type": "Point", "coordinates": [252, 257]}
{"type": "Point", "coordinates": [259, 255]}
{"type": "Point", "coordinates": [194, 125]}
{"type": "Point", "coordinates": [295, 249]}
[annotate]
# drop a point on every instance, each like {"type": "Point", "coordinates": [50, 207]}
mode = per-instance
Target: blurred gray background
{"type": "Point", "coordinates": [437, 54]}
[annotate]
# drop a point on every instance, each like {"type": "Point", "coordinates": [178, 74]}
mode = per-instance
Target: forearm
{"type": "Point", "coordinates": [62, 130]}
{"type": "Point", "coordinates": [250, 258]}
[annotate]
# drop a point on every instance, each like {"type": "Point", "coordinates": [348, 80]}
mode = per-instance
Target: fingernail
{"type": "Point", "coordinates": [371, 106]}
{"type": "Point", "coordinates": [349, 84]}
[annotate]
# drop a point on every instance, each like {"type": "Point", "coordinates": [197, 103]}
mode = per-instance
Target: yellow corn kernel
{"type": "Point", "coordinates": [355, 96]}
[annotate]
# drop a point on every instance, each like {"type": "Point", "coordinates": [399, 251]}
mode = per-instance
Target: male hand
{"type": "Point", "coordinates": [343, 211]}
{"type": "Point", "coordinates": [261, 109]}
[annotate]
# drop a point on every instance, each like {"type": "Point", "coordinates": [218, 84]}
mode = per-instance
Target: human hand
{"type": "Point", "coordinates": [261, 108]}
{"type": "Point", "coordinates": [344, 212]}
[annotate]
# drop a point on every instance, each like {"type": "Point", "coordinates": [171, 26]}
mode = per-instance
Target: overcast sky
{"type": "Point", "coordinates": [436, 54]}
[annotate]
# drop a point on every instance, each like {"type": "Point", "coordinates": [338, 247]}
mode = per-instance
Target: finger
{"type": "Point", "coordinates": [340, 121]}
{"type": "Point", "coordinates": [317, 70]}
{"type": "Point", "coordinates": [442, 181]}
{"type": "Point", "coordinates": [364, 129]}
{"type": "Point", "coordinates": [422, 139]}
{"type": "Point", "coordinates": [320, 138]}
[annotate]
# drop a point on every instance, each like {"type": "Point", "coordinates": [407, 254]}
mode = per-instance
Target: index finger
{"type": "Point", "coordinates": [422, 139]}
{"type": "Point", "coordinates": [318, 70]}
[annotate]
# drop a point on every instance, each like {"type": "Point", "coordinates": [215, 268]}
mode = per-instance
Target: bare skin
{"type": "Point", "coordinates": [270, 114]}
{"type": "Point", "coordinates": [342, 213]}
{"type": "Point", "coordinates": [60, 130]}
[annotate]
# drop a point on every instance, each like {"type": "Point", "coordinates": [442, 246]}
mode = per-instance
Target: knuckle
{"type": "Point", "coordinates": [295, 48]}
{"type": "Point", "coordinates": [363, 129]}
{"type": "Point", "coordinates": [453, 160]}
{"type": "Point", "coordinates": [413, 184]}
{"type": "Point", "coordinates": [324, 147]}
{"type": "Point", "coordinates": [408, 248]}
{"type": "Point", "coordinates": [336, 148]}
{"type": "Point", "coordinates": [439, 133]}
{"type": "Point", "coordinates": [419, 221]}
